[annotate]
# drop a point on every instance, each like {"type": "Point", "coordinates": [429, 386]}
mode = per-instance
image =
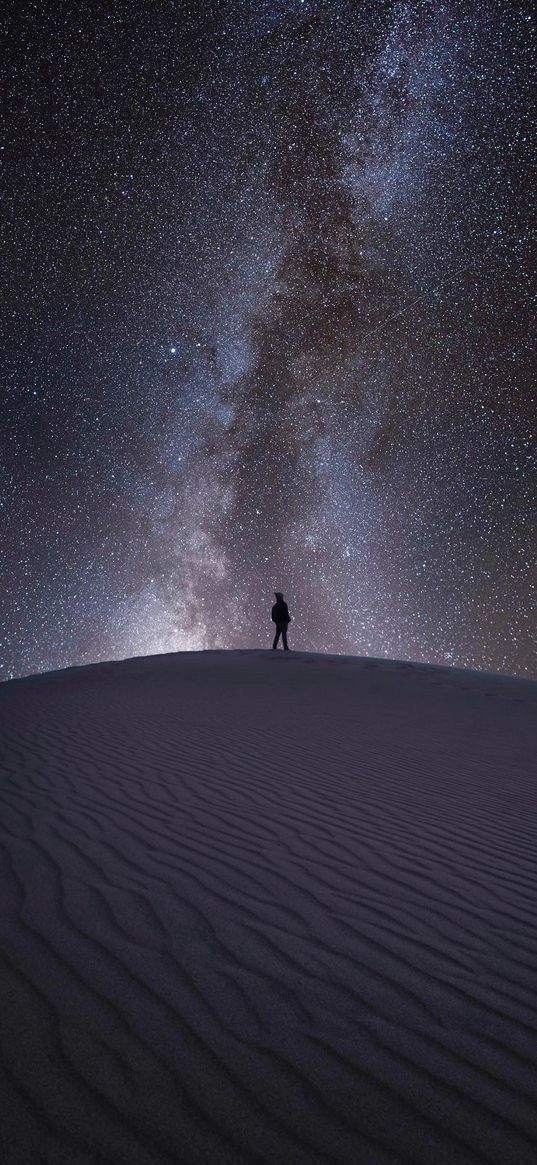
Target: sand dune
{"type": "Point", "coordinates": [268, 908]}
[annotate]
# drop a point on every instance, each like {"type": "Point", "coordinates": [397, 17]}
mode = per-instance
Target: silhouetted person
{"type": "Point", "coordinates": [282, 619]}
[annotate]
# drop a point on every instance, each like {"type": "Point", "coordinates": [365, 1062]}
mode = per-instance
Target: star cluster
{"type": "Point", "coordinates": [268, 324]}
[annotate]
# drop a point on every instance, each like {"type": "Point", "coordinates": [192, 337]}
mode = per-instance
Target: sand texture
{"type": "Point", "coordinates": [268, 908]}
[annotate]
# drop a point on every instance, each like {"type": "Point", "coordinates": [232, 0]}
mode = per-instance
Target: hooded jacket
{"type": "Point", "coordinates": [280, 612]}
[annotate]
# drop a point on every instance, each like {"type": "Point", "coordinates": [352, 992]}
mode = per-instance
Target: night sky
{"type": "Point", "coordinates": [268, 323]}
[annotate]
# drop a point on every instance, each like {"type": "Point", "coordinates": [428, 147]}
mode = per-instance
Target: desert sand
{"type": "Point", "coordinates": [269, 908]}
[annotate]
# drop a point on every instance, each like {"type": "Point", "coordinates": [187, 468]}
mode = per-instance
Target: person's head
{"type": "Point", "coordinates": [279, 596]}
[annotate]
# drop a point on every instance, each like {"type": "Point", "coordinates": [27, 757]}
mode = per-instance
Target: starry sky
{"type": "Point", "coordinates": [268, 323]}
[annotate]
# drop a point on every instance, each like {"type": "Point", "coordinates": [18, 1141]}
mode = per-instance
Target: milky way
{"type": "Point", "coordinates": [268, 324]}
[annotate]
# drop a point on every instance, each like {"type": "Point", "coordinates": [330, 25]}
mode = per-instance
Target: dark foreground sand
{"type": "Point", "coordinates": [268, 908]}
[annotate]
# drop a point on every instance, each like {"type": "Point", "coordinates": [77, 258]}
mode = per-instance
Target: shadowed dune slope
{"type": "Point", "coordinates": [268, 908]}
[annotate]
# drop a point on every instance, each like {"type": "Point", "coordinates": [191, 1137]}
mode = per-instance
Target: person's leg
{"type": "Point", "coordinates": [276, 637]}
{"type": "Point", "coordinates": [284, 637]}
